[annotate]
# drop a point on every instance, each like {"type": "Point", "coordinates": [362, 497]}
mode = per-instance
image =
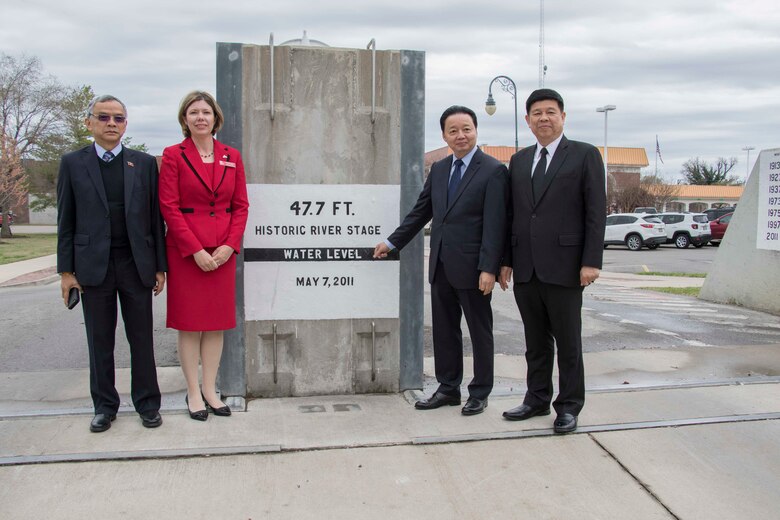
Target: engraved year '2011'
{"type": "Point", "coordinates": [324, 281]}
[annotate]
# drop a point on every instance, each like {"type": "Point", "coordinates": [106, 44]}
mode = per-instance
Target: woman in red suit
{"type": "Point", "coordinates": [204, 203]}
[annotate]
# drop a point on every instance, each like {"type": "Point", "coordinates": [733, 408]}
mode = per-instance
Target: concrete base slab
{"type": "Point", "coordinates": [354, 456]}
{"type": "Point", "coordinates": [719, 471]}
{"type": "Point", "coordinates": [326, 422]}
{"type": "Point", "coordinates": [538, 478]}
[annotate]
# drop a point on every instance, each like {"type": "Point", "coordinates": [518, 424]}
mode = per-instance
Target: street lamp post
{"type": "Point", "coordinates": [606, 109]}
{"type": "Point", "coordinates": [507, 85]}
{"type": "Point", "coordinates": [747, 164]}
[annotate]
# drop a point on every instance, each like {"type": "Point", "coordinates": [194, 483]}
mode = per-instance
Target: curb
{"type": "Point", "coordinates": [42, 277]}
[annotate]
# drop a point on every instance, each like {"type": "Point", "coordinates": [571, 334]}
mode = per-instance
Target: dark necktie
{"type": "Point", "coordinates": [538, 178]}
{"type": "Point", "coordinates": [454, 181]}
{"type": "Point", "coordinates": [108, 156]}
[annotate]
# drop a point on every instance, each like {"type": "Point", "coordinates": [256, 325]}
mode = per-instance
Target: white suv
{"type": "Point", "coordinates": [684, 229]}
{"type": "Point", "coordinates": [634, 231]}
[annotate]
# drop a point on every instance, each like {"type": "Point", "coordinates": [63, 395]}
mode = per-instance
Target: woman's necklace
{"type": "Point", "coordinates": [207, 155]}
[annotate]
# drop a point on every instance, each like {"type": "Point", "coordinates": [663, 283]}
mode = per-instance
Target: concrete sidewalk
{"type": "Point", "coordinates": [29, 272]}
{"type": "Point", "coordinates": [665, 434]}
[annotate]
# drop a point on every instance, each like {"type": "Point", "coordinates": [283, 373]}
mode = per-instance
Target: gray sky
{"type": "Point", "coordinates": [704, 75]}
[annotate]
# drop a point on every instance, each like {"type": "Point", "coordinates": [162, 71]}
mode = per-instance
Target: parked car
{"type": "Point", "coordinates": [684, 229]}
{"type": "Point", "coordinates": [718, 228]}
{"type": "Point", "coordinates": [634, 231]}
{"type": "Point", "coordinates": [714, 213]}
{"type": "Point", "coordinates": [645, 210]}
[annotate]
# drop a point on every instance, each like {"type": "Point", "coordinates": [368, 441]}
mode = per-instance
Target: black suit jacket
{"type": "Point", "coordinates": [564, 230]}
{"type": "Point", "coordinates": [468, 234]}
{"type": "Point", "coordinates": [83, 225]}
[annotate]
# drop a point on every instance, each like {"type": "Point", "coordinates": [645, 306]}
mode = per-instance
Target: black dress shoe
{"type": "Point", "coordinates": [474, 406]}
{"type": "Point", "coordinates": [151, 419]}
{"type": "Point", "coordinates": [198, 415]}
{"type": "Point", "coordinates": [437, 400]}
{"type": "Point", "coordinates": [101, 422]}
{"type": "Point", "coordinates": [222, 411]}
{"type": "Point", "coordinates": [524, 411]}
{"type": "Point", "coordinates": [565, 423]}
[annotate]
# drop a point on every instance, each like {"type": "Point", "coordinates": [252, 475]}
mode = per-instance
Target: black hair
{"type": "Point", "coordinates": [457, 109]}
{"type": "Point", "coordinates": [542, 94]}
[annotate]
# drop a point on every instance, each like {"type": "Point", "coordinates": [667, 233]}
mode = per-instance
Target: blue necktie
{"type": "Point", "coordinates": [108, 156]}
{"type": "Point", "coordinates": [454, 181]}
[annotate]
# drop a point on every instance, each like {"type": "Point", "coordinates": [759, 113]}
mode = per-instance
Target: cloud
{"type": "Point", "coordinates": [701, 75]}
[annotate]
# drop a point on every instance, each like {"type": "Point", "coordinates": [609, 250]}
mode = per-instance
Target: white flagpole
{"type": "Point", "coordinates": [656, 155]}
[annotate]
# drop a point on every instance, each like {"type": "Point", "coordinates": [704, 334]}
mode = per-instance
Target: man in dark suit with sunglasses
{"type": "Point", "coordinates": [110, 244]}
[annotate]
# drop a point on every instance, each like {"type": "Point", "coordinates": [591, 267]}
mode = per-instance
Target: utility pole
{"type": "Point", "coordinates": [542, 66]}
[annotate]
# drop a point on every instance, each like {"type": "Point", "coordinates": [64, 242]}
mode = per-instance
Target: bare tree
{"type": "Point", "coordinates": [30, 113]}
{"type": "Point", "coordinates": [662, 192]}
{"type": "Point", "coordinates": [30, 103]}
{"type": "Point", "coordinates": [700, 172]}
{"type": "Point", "coordinates": [13, 181]}
{"type": "Point", "coordinates": [633, 197]}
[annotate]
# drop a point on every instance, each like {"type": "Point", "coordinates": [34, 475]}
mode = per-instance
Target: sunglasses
{"type": "Point", "coordinates": [105, 118]}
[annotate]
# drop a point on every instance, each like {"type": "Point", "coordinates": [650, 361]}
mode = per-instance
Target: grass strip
{"type": "Point", "coordinates": [687, 275]}
{"type": "Point", "coordinates": [683, 291]}
{"type": "Point", "coordinates": [24, 247]}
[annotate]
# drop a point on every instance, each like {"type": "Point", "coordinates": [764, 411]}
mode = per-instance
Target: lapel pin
{"type": "Point", "coordinates": [131, 165]}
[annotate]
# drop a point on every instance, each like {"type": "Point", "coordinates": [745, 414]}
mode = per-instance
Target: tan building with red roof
{"type": "Point", "coordinates": [696, 198]}
{"type": "Point", "coordinates": [624, 163]}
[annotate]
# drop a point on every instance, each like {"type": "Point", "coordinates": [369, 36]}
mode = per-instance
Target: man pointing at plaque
{"type": "Point", "coordinates": [465, 196]}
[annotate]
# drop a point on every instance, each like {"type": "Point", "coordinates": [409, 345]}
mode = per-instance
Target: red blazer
{"type": "Point", "coordinates": [198, 214]}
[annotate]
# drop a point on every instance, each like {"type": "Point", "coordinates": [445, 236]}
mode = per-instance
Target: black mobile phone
{"type": "Point", "coordinates": [73, 297]}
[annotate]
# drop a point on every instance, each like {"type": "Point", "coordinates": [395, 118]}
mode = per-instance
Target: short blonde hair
{"type": "Point", "coordinates": [192, 97]}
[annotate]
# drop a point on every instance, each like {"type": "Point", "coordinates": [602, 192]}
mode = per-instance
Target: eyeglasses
{"type": "Point", "coordinates": [105, 118]}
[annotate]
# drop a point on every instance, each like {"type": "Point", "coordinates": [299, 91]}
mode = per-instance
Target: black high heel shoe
{"type": "Point", "coordinates": [200, 415]}
{"type": "Point", "coordinates": [222, 411]}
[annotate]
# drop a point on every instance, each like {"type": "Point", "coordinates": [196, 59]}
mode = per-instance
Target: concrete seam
{"type": "Point", "coordinates": [114, 456]}
{"type": "Point", "coordinates": [644, 425]}
{"type": "Point", "coordinates": [24, 460]}
{"type": "Point", "coordinates": [643, 485]}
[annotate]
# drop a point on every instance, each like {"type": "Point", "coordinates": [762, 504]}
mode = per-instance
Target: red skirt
{"type": "Point", "coordinates": [200, 300]}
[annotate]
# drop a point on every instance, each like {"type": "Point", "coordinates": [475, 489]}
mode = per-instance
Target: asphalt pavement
{"type": "Point", "coordinates": [682, 433]}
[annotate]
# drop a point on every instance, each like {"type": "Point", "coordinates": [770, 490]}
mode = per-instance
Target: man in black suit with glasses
{"type": "Point", "coordinates": [110, 245]}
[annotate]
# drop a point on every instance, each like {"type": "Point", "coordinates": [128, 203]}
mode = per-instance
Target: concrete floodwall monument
{"type": "Point", "coordinates": [746, 270]}
{"type": "Point", "coordinates": [332, 142]}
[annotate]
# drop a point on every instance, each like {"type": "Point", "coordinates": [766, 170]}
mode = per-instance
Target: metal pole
{"type": "Point", "coordinates": [515, 98]}
{"type": "Point", "coordinates": [271, 50]}
{"type": "Point", "coordinates": [372, 45]}
{"type": "Point", "coordinates": [747, 164]}
{"type": "Point", "coordinates": [606, 154]}
{"type": "Point", "coordinates": [606, 109]}
{"type": "Point", "coordinates": [656, 156]}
